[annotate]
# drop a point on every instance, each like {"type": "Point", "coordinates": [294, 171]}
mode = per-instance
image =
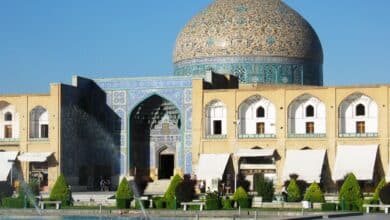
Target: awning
{"type": "Point", "coordinates": [212, 166]}
{"type": "Point", "coordinates": [255, 153]}
{"type": "Point", "coordinates": [356, 159]}
{"type": "Point", "coordinates": [34, 156]}
{"type": "Point", "coordinates": [6, 159]}
{"type": "Point", "coordinates": [307, 164]}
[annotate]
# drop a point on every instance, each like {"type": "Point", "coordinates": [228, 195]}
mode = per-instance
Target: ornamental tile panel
{"type": "Point", "coordinates": [264, 28]}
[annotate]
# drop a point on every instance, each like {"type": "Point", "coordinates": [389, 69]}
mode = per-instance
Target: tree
{"type": "Point", "coordinates": [60, 191]}
{"type": "Point", "coordinates": [314, 194]}
{"type": "Point", "coordinates": [384, 194]}
{"type": "Point", "coordinates": [185, 190]}
{"type": "Point", "coordinates": [351, 197]}
{"type": "Point", "coordinates": [293, 192]}
{"type": "Point", "coordinates": [124, 194]}
{"type": "Point", "coordinates": [378, 188]}
{"type": "Point", "coordinates": [170, 194]}
{"type": "Point", "coordinates": [264, 187]}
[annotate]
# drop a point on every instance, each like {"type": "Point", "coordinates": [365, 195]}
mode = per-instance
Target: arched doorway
{"type": "Point", "coordinates": [166, 162]}
{"type": "Point", "coordinates": [155, 135]}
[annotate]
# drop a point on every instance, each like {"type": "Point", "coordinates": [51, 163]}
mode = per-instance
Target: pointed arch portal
{"type": "Point", "coordinates": [155, 136]}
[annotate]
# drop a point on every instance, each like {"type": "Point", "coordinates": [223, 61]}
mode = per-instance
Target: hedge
{"type": "Point", "coordinates": [145, 204]}
{"type": "Point", "coordinates": [213, 201]}
{"type": "Point", "coordinates": [158, 203]}
{"type": "Point", "coordinates": [227, 204]}
{"type": "Point", "coordinates": [328, 207]}
{"type": "Point", "coordinates": [15, 203]}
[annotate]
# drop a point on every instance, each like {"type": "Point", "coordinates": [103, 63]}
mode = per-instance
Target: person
{"type": "Point", "coordinates": [70, 199]}
{"type": "Point", "coordinates": [102, 183]}
{"type": "Point", "coordinates": [201, 186]}
{"type": "Point", "coordinates": [107, 185]}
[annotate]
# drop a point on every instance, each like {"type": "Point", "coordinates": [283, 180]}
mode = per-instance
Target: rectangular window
{"type": "Point", "coordinates": [39, 173]}
{"type": "Point", "coordinates": [217, 125]}
{"type": "Point", "coordinates": [8, 131]}
{"type": "Point", "coordinates": [309, 127]}
{"type": "Point", "coordinates": [44, 131]}
{"type": "Point", "coordinates": [360, 127]}
{"type": "Point", "coordinates": [260, 128]}
{"type": "Point", "coordinates": [165, 129]}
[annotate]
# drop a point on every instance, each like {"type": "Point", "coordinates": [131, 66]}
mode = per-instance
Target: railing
{"type": "Point", "coordinates": [307, 135]}
{"type": "Point", "coordinates": [39, 139]}
{"type": "Point", "coordinates": [216, 136]}
{"type": "Point", "coordinates": [256, 136]}
{"type": "Point", "coordinates": [356, 135]}
{"type": "Point", "coordinates": [9, 139]}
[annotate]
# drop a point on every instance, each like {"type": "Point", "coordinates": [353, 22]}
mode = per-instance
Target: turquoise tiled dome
{"type": "Point", "coordinates": [250, 38]}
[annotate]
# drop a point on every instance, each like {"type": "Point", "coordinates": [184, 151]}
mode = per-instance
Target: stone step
{"type": "Point", "coordinates": [157, 187]}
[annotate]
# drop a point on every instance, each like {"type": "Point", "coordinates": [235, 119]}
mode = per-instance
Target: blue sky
{"type": "Point", "coordinates": [45, 41]}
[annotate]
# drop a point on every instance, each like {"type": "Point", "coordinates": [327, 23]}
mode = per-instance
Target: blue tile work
{"type": "Point", "coordinates": [270, 70]}
{"type": "Point", "coordinates": [124, 94]}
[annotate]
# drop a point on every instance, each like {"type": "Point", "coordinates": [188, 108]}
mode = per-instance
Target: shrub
{"type": "Point", "coordinates": [34, 187]}
{"type": "Point", "coordinates": [293, 192]}
{"type": "Point", "coordinates": [158, 203]}
{"type": "Point", "coordinates": [227, 203]}
{"type": "Point", "coordinates": [350, 196]}
{"type": "Point", "coordinates": [240, 194]}
{"type": "Point", "coordinates": [328, 207]}
{"type": "Point", "coordinates": [314, 194]}
{"type": "Point", "coordinates": [170, 194]}
{"type": "Point", "coordinates": [242, 198]}
{"type": "Point", "coordinates": [384, 194]}
{"type": "Point", "coordinates": [245, 203]}
{"type": "Point", "coordinates": [185, 190]}
{"type": "Point", "coordinates": [14, 203]}
{"type": "Point", "coordinates": [61, 192]}
{"type": "Point", "coordinates": [213, 201]}
{"type": "Point", "coordinates": [145, 204]}
{"type": "Point", "coordinates": [123, 195]}
{"type": "Point", "coordinates": [264, 187]}
{"type": "Point", "coordinates": [378, 188]}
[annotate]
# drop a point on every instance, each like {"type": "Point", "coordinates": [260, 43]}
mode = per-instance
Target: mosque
{"type": "Point", "coordinates": [246, 97]}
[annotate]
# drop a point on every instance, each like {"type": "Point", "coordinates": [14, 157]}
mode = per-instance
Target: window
{"type": "Point", "coordinates": [310, 111]}
{"type": "Point", "coordinates": [360, 110]}
{"type": "Point", "coordinates": [44, 131]}
{"type": "Point", "coordinates": [8, 116]}
{"type": "Point", "coordinates": [260, 128]}
{"type": "Point", "coordinates": [309, 127]}
{"type": "Point", "coordinates": [165, 129]}
{"type": "Point", "coordinates": [260, 113]}
{"type": "Point", "coordinates": [8, 131]}
{"type": "Point", "coordinates": [217, 125]}
{"type": "Point", "coordinates": [360, 127]}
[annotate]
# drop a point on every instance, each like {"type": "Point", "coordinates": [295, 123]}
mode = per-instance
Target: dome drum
{"type": "Point", "coordinates": [269, 70]}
